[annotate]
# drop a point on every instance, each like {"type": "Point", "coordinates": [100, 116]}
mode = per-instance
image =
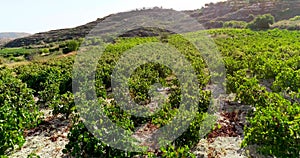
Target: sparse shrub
{"type": "Point", "coordinates": [215, 24]}
{"type": "Point", "coordinates": [291, 24]}
{"type": "Point", "coordinates": [235, 24]}
{"type": "Point", "coordinates": [296, 18]}
{"type": "Point", "coordinates": [164, 37]}
{"type": "Point", "coordinates": [292, 27]}
{"type": "Point", "coordinates": [18, 59]}
{"type": "Point", "coordinates": [251, 17]}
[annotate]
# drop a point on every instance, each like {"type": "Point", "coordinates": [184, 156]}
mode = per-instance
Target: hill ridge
{"type": "Point", "coordinates": [239, 10]}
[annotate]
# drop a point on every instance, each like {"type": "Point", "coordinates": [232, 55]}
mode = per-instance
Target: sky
{"type": "Point", "coordinates": [33, 16]}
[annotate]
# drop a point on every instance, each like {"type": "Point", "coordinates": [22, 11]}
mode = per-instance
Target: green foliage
{"type": "Point", "coordinates": [71, 46]}
{"type": "Point", "coordinates": [51, 89]}
{"type": "Point", "coordinates": [216, 24]}
{"type": "Point", "coordinates": [45, 51]}
{"type": "Point", "coordinates": [296, 18]}
{"type": "Point", "coordinates": [84, 144]}
{"type": "Point", "coordinates": [48, 79]}
{"type": "Point", "coordinates": [181, 152]}
{"type": "Point", "coordinates": [33, 155]}
{"type": "Point", "coordinates": [291, 24]}
{"type": "Point", "coordinates": [139, 86]}
{"type": "Point", "coordinates": [63, 104]}
{"type": "Point", "coordinates": [16, 52]}
{"type": "Point", "coordinates": [17, 111]}
{"type": "Point", "coordinates": [271, 56]}
{"type": "Point", "coordinates": [251, 58]}
{"type": "Point", "coordinates": [235, 24]}
{"type": "Point", "coordinates": [17, 59]}
{"type": "Point", "coordinates": [261, 22]}
{"type": "Point", "coordinates": [288, 79]}
{"type": "Point", "coordinates": [275, 126]}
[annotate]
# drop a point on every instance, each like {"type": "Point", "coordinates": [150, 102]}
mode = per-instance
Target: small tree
{"type": "Point", "coordinates": [261, 22]}
{"type": "Point", "coordinates": [71, 46]}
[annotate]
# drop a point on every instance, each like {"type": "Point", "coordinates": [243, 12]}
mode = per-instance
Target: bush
{"type": "Point", "coordinates": [261, 22]}
{"type": "Point", "coordinates": [47, 80]}
{"type": "Point", "coordinates": [235, 24]}
{"type": "Point", "coordinates": [83, 144]}
{"type": "Point", "coordinates": [275, 127]}
{"type": "Point", "coordinates": [45, 51]}
{"type": "Point", "coordinates": [51, 89]}
{"type": "Point", "coordinates": [215, 24]}
{"type": "Point", "coordinates": [71, 46]}
{"type": "Point", "coordinates": [63, 104]}
{"type": "Point", "coordinates": [17, 111]}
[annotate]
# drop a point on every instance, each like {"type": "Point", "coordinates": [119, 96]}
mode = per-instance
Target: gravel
{"type": "Point", "coordinates": [47, 140]}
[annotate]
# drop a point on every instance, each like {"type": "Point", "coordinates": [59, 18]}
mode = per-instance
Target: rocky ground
{"type": "Point", "coordinates": [225, 140]}
{"type": "Point", "coordinates": [49, 138]}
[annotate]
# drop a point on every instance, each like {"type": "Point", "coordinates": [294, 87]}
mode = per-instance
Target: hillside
{"type": "Point", "coordinates": [240, 10]}
{"type": "Point", "coordinates": [8, 36]}
{"type": "Point", "coordinates": [290, 24]}
{"type": "Point", "coordinates": [211, 16]}
{"type": "Point", "coordinates": [54, 35]}
{"type": "Point", "coordinates": [12, 35]}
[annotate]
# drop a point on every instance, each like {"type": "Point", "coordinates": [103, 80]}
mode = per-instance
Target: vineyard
{"type": "Point", "coordinates": [262, 71]}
